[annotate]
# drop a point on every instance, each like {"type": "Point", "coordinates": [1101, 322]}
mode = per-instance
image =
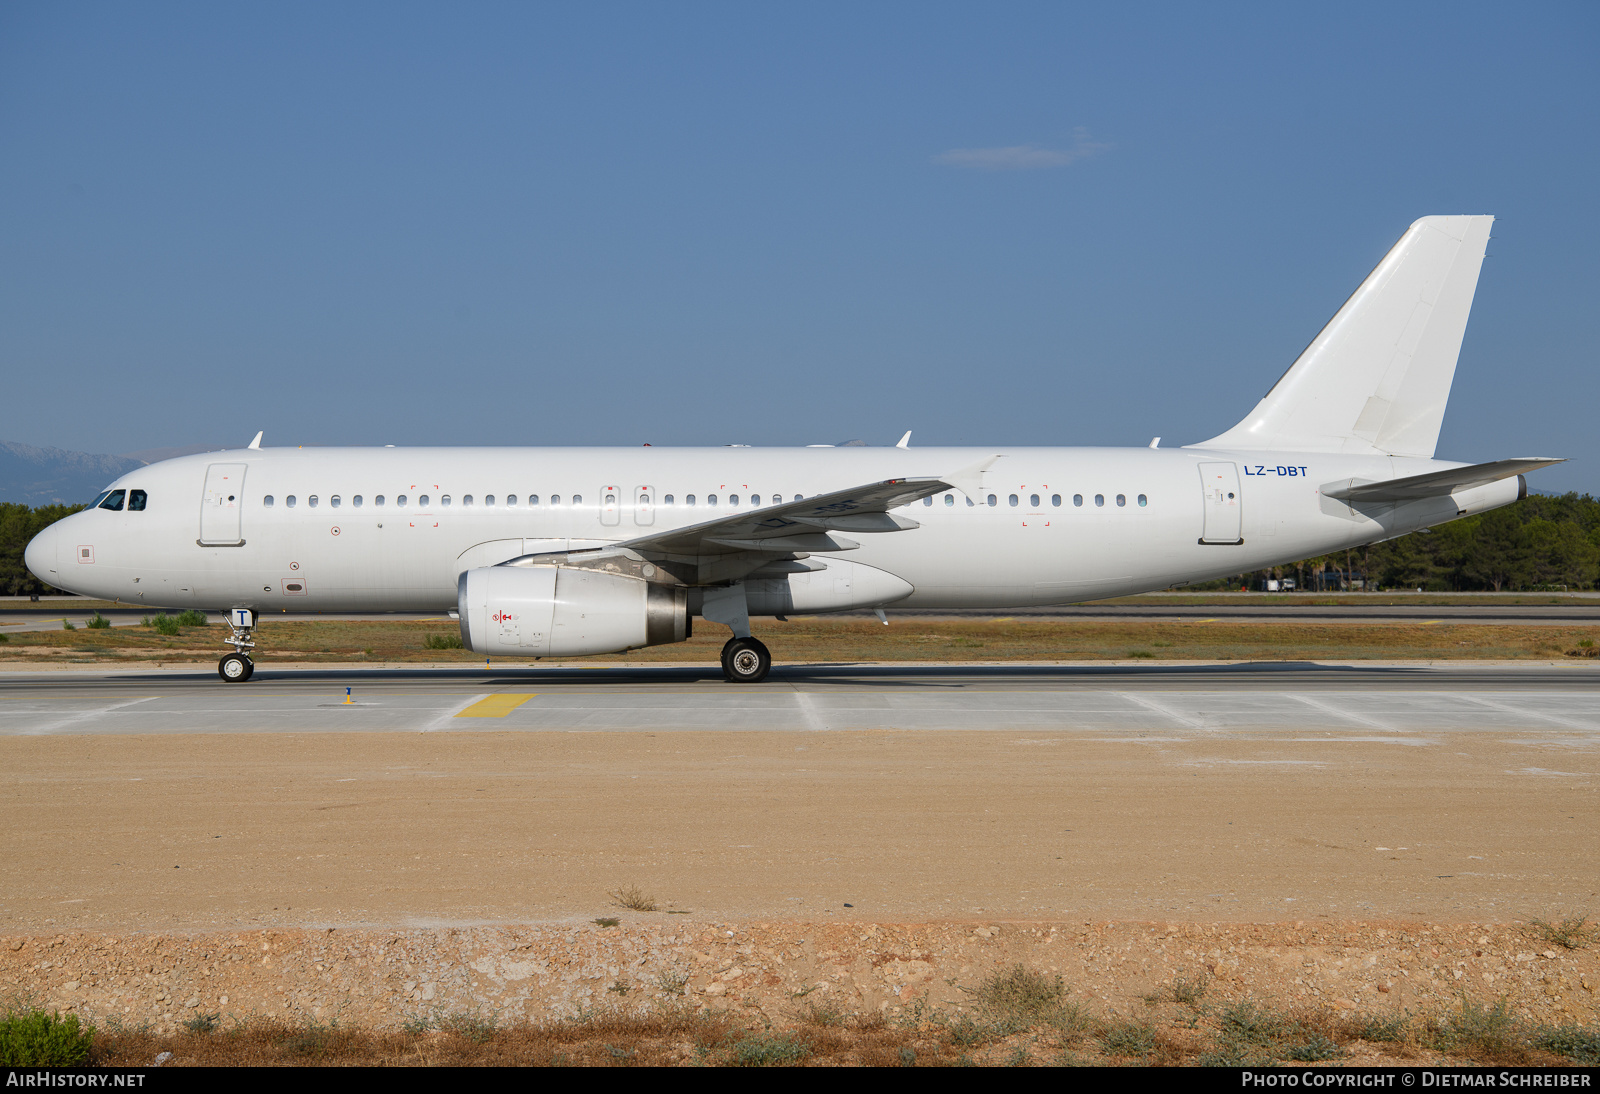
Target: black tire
{"type": "Point", "coordinates": [745, 661]}
{"type": "Point", "coordinates": [235, 668]}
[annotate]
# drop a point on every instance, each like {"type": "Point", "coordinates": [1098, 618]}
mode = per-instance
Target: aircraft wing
{"type": "Point", "coordinates": [798, 526]}
{"type": "Point", "coordinates": [1434, 483]}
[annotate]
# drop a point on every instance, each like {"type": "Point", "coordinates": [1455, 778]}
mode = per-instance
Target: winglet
{"type": "Point", "coordinates": [904, 442]}
{"type": "Point", "coordinates": [969, 480]}
{"type": "Point", "coordinates": [257, 442]}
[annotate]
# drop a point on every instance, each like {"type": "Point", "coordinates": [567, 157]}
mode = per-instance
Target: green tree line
{"type": "Point", "coordinates": [1538, 542]}
{"type": "Point", "coordinates": [19, 524]}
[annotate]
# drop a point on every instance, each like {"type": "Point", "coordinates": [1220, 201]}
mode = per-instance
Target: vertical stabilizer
{"type": "Point", "coordinates": [1377, 378]}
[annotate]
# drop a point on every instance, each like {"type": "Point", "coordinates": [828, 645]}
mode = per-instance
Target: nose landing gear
{"type": "Point", "coordinates": [236, 667]}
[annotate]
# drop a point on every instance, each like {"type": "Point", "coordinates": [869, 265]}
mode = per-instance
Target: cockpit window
{"type": "Point", "coordinates": [95, 504]}
{"type": "Point", "coordinates": [113, 501]}
{"type": "Point", "coordinates": [136, 500]}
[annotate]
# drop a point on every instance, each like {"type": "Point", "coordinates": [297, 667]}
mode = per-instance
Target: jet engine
{"type": "Point", "coordinates": [560, 611]}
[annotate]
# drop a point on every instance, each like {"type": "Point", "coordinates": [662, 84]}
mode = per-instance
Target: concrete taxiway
{"type": "Point", "coordinates": [1390, 700]}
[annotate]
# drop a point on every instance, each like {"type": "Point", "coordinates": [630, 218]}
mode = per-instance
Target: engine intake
{"type": "Point", "coordinates": [559, 611]}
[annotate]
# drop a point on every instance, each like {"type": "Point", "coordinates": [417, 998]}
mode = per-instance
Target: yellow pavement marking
{"type": "Point", "coordinates": [495, 706]}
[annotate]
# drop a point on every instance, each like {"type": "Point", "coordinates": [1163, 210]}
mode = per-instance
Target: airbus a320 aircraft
{"type": "Point", "coordinates": [550, 552]}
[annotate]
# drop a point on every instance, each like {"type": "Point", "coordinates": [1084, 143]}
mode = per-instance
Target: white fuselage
{"type": "Point", "coordinates": [1139, 525]}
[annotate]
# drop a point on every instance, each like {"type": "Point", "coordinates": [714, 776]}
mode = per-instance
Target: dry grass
{"type": "Point", "coordinates": [1022, 1027]}
{"type": "Point", "coordinates": [848, 639]}
{"type": "Point", "coordinates": [634, 899]}
{"type": "Point", "coordinates": [1572, 933]}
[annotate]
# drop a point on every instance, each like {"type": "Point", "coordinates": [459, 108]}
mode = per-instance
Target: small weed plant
{"type": "Point", "coordinates": [203, 1023]}
{"type": "Point", "coordinates": [634, 899]}
{"type": "Point", "coordinates": [35, 1038]}
{"type": "Point", "coordinates": [768, 1049]}
{"type": "Point", "coordinates": [1572, 933]}
{"type": "Point", "coordinates": [162, 623]}
{"type": "Point", "coordinates": [98, 623]}
{"type": "Point", "coordinates": [1128, 1039]}
{"type": "Point", "coordinates": [1189, 992]}
{"type": "Point", "coordinates": [192, 618]}
{"type": "Point", "coordinates": [443, 642]}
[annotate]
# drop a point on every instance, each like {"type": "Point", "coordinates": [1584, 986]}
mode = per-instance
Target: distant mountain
{"type": "Point", "coordinates": [52, 476]}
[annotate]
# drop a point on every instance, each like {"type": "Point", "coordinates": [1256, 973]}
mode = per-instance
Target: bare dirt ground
{"type": "Point", "coordinates": [436, 880]}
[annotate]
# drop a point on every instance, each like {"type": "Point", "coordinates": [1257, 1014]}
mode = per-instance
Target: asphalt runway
{"type": "Point", "coordinates": [1364, 701]}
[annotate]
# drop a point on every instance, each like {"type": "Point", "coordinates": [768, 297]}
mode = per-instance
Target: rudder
{"type": "Point", "coordinates": [1378, 376]}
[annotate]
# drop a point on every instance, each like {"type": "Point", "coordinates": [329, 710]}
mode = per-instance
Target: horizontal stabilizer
{"type": "Point", "coordinates": [1435, 483]}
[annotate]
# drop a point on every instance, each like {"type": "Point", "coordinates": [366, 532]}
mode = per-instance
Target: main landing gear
{"type": "Point", "coordinates": [236, 667]}
{"type": "Point", "coordinates": [745, 661]}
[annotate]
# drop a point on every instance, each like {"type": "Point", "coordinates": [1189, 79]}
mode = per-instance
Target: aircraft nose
{"type": "Point", "coordinates": [40, 555]}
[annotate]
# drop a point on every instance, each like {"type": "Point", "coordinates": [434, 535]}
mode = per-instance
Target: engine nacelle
{"type": "Point", "coordinates": [559, 611]}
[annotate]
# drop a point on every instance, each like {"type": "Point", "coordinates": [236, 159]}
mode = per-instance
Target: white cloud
{"type": "Point", "coordinates": [1024, 157]}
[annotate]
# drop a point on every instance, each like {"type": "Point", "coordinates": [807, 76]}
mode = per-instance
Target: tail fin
{"type": "Point", "coordinates": [1377, 378]}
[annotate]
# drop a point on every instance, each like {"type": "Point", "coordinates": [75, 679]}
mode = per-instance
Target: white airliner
{"type": "Point", "coordinates": [555, 552]}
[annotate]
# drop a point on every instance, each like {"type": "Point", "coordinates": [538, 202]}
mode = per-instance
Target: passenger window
{"type": "Point", "coordinates": [611, 499]}
{"type": "Point", "coordinates": [1013, 501]}
{"type": "Point", "coordinates": [422, 500]}
{"type": "Point", "coordinates": [1055, 499]}
{"type": "Point", "coordinates": [113, 501]}
{"type": "Point", "coordinates": [577, 499]}
{"type": "Point", "coordinates": [378, 501]}
{"type": "Point", "coordinates": [689, 501]}
{"type": "Point", "coordinates": [289, 501]}
{"type": "Point", "coordinates": [799, 497]}
{"type": "Point", "coordinates": [136, 500]}
{"type": "Point", "coordinates": [334, 501]}
{"type": "Point", "coordinates": [266, 502]}
{"type": "Point", "coordinates": [1122, 500]}
{"type": "Point", "coordinates": [1077, 499]}
{"type": "Point", "coordinates": [466, 499]}
{"type": "Point", "coordinates": [400, 501]}
{"type": "Point", "coordinates": [777, 499]}
{"type": "Point", "coordinates": [992, 501]}
{"type": "Point", "coordinates": [667, 500]}
{"type": "Point", "coordinates": [312, 501]}
{"type": "Point", "coordinates": [1099, 499]}
{"type": "Point", "coordinates": [356, 501]}
{"type": "Point", "coordinates": [711, 499]}
{"type": "Point", "coordinates": [511, 501]}
{"type": "Point", "coordinates": [733, 500]}
{"type": "Point", "coordinates": [928, 500]}
{"type": "Point", "coordinates": [444, 501]}
{"type": "Point", "coordinates": [1143, 501]}
{"type": "Point", "coordinates": [1033, 500]}
{"type": "Point", "coordinates": [555, 499]}
{"type": "Point", "coordinates": [949, 499]}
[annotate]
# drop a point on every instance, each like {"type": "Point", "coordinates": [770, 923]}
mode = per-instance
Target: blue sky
{"type": "Point", "coordinates": [702, 224]}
